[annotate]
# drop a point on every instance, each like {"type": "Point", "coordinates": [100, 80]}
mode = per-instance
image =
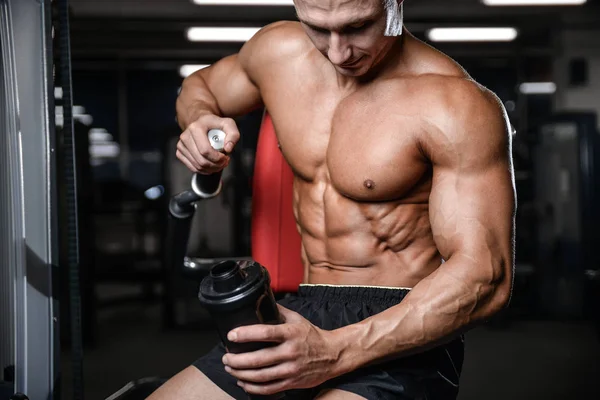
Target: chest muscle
{"type": "Point", "coordinates": [365, 149]}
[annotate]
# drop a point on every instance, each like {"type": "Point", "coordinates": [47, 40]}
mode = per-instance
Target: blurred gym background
{"type": "Point", "coordinates": [140, 317]}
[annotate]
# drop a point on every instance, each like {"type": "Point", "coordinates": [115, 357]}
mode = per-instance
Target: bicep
{"type": "Point", "coordinates": [472, 202]}
{"type": "Point", "coordinates": [234, 92]}
{"type": "Point", "coordinates": [471, 212]}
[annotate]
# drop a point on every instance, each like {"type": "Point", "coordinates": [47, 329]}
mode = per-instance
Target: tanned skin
{"type": "Point", "coordinates": [400, 160]}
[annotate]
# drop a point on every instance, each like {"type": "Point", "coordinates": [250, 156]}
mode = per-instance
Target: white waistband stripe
{"type": "Point", "coordinates": [355, 286]}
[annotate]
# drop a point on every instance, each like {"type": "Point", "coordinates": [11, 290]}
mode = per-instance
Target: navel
{"type": "Point", "coordinates": [369, 184]}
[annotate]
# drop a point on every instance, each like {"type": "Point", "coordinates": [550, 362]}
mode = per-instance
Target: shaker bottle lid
{"type": "Point", "coordinates": [229, 279]}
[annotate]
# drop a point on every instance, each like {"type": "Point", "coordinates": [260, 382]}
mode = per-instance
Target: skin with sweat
{"type": "Point", "coordinates": [400, 160]}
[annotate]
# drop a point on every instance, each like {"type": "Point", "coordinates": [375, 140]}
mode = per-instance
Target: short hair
{"type": "Point", "coordinates": [394, 10]}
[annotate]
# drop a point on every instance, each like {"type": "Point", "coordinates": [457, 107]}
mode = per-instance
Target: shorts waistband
{"type": "Point", "coordinates": [353, 293]}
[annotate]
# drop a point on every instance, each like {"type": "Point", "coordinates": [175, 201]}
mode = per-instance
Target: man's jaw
{"type": "Point", "coordinates": [351, 64]}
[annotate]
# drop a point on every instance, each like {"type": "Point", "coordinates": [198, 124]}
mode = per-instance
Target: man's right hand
{"type": "Point", "coordinates": [194, 149]}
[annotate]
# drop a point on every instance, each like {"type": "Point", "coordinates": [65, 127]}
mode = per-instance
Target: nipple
{"type": "Point", "coordinates": [369, 184]}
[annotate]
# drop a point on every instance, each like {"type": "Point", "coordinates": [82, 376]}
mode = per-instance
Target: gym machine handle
{"type": "Point", "coordinates": [181, 205]}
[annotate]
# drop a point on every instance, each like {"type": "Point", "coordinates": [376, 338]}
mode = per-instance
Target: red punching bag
{"type": "Point", "coordinates": [275, 239]}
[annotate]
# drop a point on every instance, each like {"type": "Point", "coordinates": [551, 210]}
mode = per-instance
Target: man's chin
{"type": "Point", "coordinates": [350, 72]}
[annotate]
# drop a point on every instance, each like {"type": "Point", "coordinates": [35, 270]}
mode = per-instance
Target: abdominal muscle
{"type": "Point", "coordinates": [345, 242]}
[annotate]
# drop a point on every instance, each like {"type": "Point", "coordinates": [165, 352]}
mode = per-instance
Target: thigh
{"type": "Point", "coordinates": [374, 383]}
{"type": "Point", "coordinates": [211, 366]}
{"type": "Point", "coordinates": [189, 384]}
{"type": "Point", "coordinates": [336, 394]}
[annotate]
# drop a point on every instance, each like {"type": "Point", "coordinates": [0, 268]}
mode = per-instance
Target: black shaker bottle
{"type": "Point", "coordinates": [238, 293]}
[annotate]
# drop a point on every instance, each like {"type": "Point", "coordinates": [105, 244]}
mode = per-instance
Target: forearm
{"type": "Point", "coordinates": [194, 100]}
{"type": "Point", "coordinates": [437, 309]}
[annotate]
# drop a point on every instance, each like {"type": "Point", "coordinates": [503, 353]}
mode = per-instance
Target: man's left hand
{"type": "Point", "coordinates": [304, 357]}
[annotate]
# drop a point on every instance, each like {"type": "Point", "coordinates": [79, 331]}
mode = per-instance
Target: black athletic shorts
{"type": "Point", "coordinates": [430, 375]}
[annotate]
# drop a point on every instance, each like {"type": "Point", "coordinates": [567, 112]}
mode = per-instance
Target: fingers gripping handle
{"type": "Point", "coordinates": [210, 185]}
{"type": "Point", "coordinates": [181, 205]}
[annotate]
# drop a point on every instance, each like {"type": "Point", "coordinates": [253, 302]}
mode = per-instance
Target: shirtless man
{"type": "Point", "coordinates": [401, 161]}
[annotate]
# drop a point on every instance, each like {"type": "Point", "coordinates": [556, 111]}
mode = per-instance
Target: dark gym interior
{"type": "Point", "coordinates": [140, 317]}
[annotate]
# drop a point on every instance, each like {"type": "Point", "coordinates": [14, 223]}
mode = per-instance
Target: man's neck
{"type": "Point", "coordinates": [388, 64]}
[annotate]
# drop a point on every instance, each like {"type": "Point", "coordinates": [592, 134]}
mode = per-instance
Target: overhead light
{"type": "Point", "coordinates": [472, 34]}
{"type": "Point", "coordinates": [207, 34]}
{"type": "Point", "coordinates": [537, 87]}
{"type": "Point", "coordinates": [187, 70]}
{"type": "Point", "coordinates": [244, 2]}
{"type": "Point", "coordinates": [533, 2]}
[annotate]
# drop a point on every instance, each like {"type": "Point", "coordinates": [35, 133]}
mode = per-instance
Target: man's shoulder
{"type": "Point", "coordinates": [456, 99]}
{"type": "Point", "coordinates": [437, 96]}
{"type": "Point", "coordinates": [441, 81]}
{"type": "Point", "coordinates": [457, 94]}
{"type": "Point", "coordinates": [455, 109]}
{"type": "Point", "coordinates": [285, 30]}
{"type": "Point", "coordinates": [458, 119]}
{"type": "Point", "coordinates": [279, 41]}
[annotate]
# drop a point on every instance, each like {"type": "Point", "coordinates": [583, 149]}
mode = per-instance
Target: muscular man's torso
{"type": "Point", "coordinates": [362, 183]}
